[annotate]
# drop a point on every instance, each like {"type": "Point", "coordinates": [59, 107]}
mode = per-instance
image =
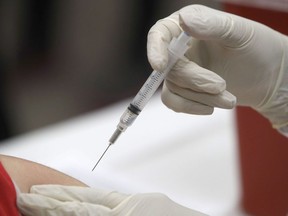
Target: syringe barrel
{"type": "Point", "coordinates": [148, 89]}
{"type": "Point", "coordinates": [177, 48]}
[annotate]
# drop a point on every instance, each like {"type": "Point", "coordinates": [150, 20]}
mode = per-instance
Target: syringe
{"type": "Point", "coordinates": [177, 48]}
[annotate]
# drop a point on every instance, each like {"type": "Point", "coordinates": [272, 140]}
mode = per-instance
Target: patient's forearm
{"type": "Point", "coordinates": [26, 173]}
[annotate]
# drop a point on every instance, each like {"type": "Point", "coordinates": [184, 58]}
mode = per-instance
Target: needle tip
{"type": "Point", "coordinates": [101, 156]}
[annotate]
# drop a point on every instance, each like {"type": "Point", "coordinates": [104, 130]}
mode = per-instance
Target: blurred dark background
{"type": "Point", "coordinates": [60, 59]}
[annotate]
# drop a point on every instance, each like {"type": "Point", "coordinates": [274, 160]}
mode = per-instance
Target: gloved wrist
{"type": "Point", "coordinates": [275, 109]}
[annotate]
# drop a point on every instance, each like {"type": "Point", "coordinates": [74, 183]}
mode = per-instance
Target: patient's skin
{"type": "Point", "coordinates": [26, 173]}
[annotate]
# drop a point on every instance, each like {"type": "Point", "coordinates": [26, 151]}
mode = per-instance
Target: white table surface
{"type": "Point", "coordinates": [192, 159]}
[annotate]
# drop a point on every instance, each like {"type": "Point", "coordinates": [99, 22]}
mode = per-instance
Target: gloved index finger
{"type": "Point", "coordinates": [158, 39]}
{"type": "Point", "coordinates": [103, 197]}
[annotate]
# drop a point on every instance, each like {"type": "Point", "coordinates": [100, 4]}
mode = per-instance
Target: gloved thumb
{"type": "Point", "coordinates": [206, 23]}
{"type": "Point", "coordinates": [62, 193]}
{"type": "Point", "coordinates": [158, 39]}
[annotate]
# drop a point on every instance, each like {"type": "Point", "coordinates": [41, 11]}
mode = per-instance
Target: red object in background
{"type": "Point", "coordinates": [8, 205]}
{"type": "Point", "coordinates": [263, 152]}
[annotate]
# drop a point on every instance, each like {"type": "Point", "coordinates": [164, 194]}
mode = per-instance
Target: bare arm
{"type": "Point", "coordinates": [27, 173]}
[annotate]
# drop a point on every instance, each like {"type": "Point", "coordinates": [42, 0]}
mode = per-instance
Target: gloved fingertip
{"type": "Point", "coordinates": [158, 65]}
{"type": "Point", "coordinates": [157, 52]}
{"type": "Point", "coordinates": [232, 101]}
{"type": "Point", "coordinates": [226, 100]}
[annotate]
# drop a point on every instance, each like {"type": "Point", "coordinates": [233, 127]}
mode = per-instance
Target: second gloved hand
{"type": "Point", "coordinates": [229, 56]}
{"type": "Point", "coordinates": [55, 200]}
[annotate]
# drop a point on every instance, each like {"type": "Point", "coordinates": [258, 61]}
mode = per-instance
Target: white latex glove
{"type": "Point", "coordinates": [228, 54]}
{"type": "Point", "coordinates": [56, 200]}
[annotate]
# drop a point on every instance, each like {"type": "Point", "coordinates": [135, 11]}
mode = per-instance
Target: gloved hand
{"type": "Point", "coordinates": [56, 200]}
{"type": "Point", "coordinates": [228, 55]}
